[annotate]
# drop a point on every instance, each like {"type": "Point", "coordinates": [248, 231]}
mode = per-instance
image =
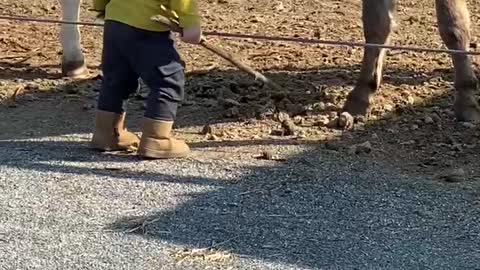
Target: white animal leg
{"type": "Point", "coordinates": [73, 60]}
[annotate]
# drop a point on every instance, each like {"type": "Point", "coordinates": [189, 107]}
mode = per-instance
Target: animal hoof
{"type": "Point", "coordinates": [74, 69]}
{"type": "Point", "coordinates": [467, 109]}
{"type": "Point", "coordinates": [355, 105]}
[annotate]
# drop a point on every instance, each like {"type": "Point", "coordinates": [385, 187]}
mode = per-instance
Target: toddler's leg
{"type": "Point", "coordinates": [161, 69]}
{"type": "Point", "coordinates": [119, 82]}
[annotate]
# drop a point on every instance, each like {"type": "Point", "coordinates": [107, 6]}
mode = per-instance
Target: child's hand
{"type": "Point", "coordinates": [192, 35]}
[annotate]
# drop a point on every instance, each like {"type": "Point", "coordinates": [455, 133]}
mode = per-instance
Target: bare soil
{"type": "Point", "coordinates": [411, 125]}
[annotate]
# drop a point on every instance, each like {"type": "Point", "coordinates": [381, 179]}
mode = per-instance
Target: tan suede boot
{"type": "Point", "coordinates": [157, 142]}
{"type": "Point", "coordinates": [110, 133]}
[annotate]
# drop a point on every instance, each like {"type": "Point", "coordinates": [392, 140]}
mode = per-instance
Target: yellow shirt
{"type": "Point", "coordinates": [137, 13]}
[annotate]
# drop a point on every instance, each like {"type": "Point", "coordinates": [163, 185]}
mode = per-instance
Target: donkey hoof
{"type": "Point", "coordinates": [466, 109]}
{"type": "Point", "coordinates": [74, 69]}
{"type": "Point", "coordinates": [355, 105]}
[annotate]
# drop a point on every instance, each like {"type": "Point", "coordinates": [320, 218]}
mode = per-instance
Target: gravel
{"type": "Point", "coordinates": [67, 207]}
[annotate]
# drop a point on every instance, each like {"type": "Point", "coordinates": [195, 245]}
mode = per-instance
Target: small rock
{"type": "Point", "coordinates": [301, 134]}
{"type": "Point", "coordinates": [345, 120]}
{"type": "Point", "coordinates": [307, 123]}
{"type": "Point", "coordinates": [332, 123]}
{"type": "Point", "coordinates": [365, 147]}
{"type": "Point", "coordinates": [209, 103]}
{"type": "Point", "coordinates": [207, 129]}
{"type": "Point", "coordinates": [429, 120]}
{"type": "Point", "coordinates": [279, 6]}
{"type": "Point", "coordinates": [232, 112]}
{"type": "Point", "coordinates": [228, 103]}
{"type": "Point", "coordinates": [213, 137]}
{"type": "Point", "coordinates": [268, 155]}
{"type": "Point", "coordinates": [468, 125]}
{"type": "Point", "coordinates": [188, 103]}
{"type": "Point", "coordinates": [330, 107]}
{"type": "Point", "coordinates": [454, 176]}
{"type": "Point", "coordinates": [289, 127]}
{"type": "Point", "coordinates": [352, 150]}
{"type": "Point", "coordinates": [360, 119]}
{"type": "Point", "coordinates": [410, 100]}
{"type": "Point", "coordinates": [320, 106]}
{"type": "Point", "coordinates": [298, 120]}
{"type": "Point", "coordinates": [388, 107]}
{"type": "Point", "coordinates": [332, 115]}
{"type": "Point", "coordinates": [322, 121]}
{"type": "Point", "coordinates": [88, 107]}
{"type": "Point", "coordinates": [31, 86]}
{"type": "Point", "coordinates": [276, 132]}
{"type": "Point", "coordinates": [332, 146]}
{"type": "Point", "coordinates": [436, 118]}
{"type": "Point", "coordinates": [282, 116]}
{"type": "Point", "coordinates": [295, 109]}
{"type": "Point", "coordinates": [409, 142]}
{"type": "Point", "coordinates": [414, 127]}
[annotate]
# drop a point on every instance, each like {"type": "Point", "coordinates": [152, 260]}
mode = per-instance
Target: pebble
{"type": "Point", "coordinates": [268, 155]}
{"type": "Point", "coordinates": [429, 120]}
{"type": "Point", "coordinates": [360, 119]}
{"type": "Point", "coordinates": [232, 112]}
{"type": "Point", "coordinates": [332, 115]}
{"type": "Point", "coordinates": [298, 120]}
{"type": "Point", "coordinates": [282, 117]}
{"type": "Point", "coordinates": [332, 146]}
{"type": "Point", "coordinates": [365, 147]}
{"type": "Point", "coordinates": [322, 121]}
{"type": "Point", "coordinates": [228, 103]}
{"type": "Point", "coordinates": [320, 106]}
{"type": "Point", "coordinates": [436, 118]}
{"type": "Point", "coordinates": [345, 120]}
{"type": "Point", "coordinates": [468, 125]}
{"type": "Point", "coordinates": [289, 127]}
{"type": "Point", "coordinates": [207, 129]}
{"type": "Point", "coordinates": [330, 107]}
{"type": "Point", "coordinates": [333, 123]}
{"type": "Point", "coordinates": [88, 107]}
{"type": "Point", "coordinates": [454, 176]}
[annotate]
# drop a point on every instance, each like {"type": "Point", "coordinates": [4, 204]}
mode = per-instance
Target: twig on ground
{"type": "Point", "coordinates": [13, 98]}
{"type": "Point", "coordinates": [142, 226]}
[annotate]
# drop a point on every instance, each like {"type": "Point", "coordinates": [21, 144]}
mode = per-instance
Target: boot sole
{"type": "Point", "coordinates": [106, 148]}
{"type": "Point", "coordinates": [155, 154]}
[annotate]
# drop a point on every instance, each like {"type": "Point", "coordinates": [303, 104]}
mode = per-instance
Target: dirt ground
{"type": "Point", "coordinates": [411, 125]}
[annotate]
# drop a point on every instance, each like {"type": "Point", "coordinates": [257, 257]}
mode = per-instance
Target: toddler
{"type": "Point", "coordinates": [136, 47]}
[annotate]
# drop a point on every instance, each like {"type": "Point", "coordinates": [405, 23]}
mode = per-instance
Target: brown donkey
{"type": "Point", "coordinates": [454, 27]}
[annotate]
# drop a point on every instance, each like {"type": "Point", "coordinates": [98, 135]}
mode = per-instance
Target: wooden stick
{"type": "Point", "coordinates": [175, 27]}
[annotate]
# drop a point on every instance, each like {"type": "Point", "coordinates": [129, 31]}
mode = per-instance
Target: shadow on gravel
{"type": "Point", "coordinates": [320, 209]}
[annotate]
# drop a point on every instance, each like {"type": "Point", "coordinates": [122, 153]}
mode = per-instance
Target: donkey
{"type": "Point", "coordinates": [73, 59]}
{"type": "Point", "coordinates": [454, 26]}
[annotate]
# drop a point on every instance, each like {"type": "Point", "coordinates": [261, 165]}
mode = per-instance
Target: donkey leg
{"type": "Point", "coordinates": [454, 27]}
{"type": "Point", "coordinates": [377, 17]}
{"type": "Point", "coordinates": [73, 60]}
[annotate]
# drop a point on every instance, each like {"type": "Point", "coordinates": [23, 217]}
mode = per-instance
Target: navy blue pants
{"type": "Point", "coordinates": [129, 54]}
